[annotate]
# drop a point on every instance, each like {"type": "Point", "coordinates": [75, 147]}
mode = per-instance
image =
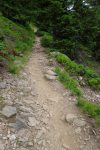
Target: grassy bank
{"type": "Point", "coordinates": [15, 44]}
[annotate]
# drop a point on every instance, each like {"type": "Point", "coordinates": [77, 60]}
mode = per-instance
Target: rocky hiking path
{"type": "Point", "coordinates": [39, 114]}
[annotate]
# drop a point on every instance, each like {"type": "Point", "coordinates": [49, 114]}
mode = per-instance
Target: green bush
{"type": "Point", "coordinates": [15, 40]}
{"type": "Point", "coordinates": [68, 82]}
{"type": "Point", "coordinates": [47, 40]}
{"type": "Point", "coordinates": [78, 69]}
{"type": "Point", "coordinates": [95, 83]}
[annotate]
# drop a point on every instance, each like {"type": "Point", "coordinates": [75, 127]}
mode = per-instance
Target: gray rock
{"type": "Point", "coordinates": [54, 54]}
{"type": "Point", "coordinates": [32, 121]}
{"type": "Point", "coordinates": [1, 146]}
{"type": "Point", "coordinates": [24, 135]}
{"type": "Point", "coordinates": [12, 137]}
{"type": "Point", "coordinates": [78, 130]}
{"type": "Point", "coordinates": [30, 144]}
{"type": "Point", "coordinates": [25, 109]}
{"type": "Point", "coordinates": [79, 122]}
{"type": "Point", "coordinates": [66, 147]}
{"type": "Point", "coordinates": [70, 118]}
{"type": "Point", "coordinates": [50, 72]}
{"type": "Point", "coordinates": [18, 125]}
{"type": "Point", "coordinates": [50, 77]}
{"type": "Point", "coordinates": [3, 85]}
{"type": "Point", "coordinates": [9, 111]}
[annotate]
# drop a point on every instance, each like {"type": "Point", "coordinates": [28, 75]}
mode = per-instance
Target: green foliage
{"type": "Point", "coordinates": [95, 83]}
{"type": "Point", "coordinates": [77, 69]}
{"type": "Point", "coordinates": [15, 40]}
{"type": "Point", "coordinates": [76, 30]}
{"type": "Point", "coordinates": [92, 109]}
{"type": "Point", "coordinates": [68, 82]}
{"type": "Point", "coordinates": [47, 40]}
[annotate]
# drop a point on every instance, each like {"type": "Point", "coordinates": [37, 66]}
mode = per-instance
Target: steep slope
{"type": "Point", "coordinates": [15, 41]}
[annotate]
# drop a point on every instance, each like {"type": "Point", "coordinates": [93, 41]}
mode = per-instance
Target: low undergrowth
{"type": "Point", "coordinates": [93, 110]}
{"type": "Point", "coordinates": [68, 82]}
{"type": "Point", "coordinates": [47, 39]}
{"type": "Point", "coordinates": [15, 44]}
{"type": "Point", "coordinates": [75, 69]}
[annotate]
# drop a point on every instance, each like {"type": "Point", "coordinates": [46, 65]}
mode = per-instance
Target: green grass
{"type": "Point", "coordinates": [15, 43]}
{"type": "Point", "coordinates": [68, 82]}
{"type": "Point", "coordinates": [93, 110]}
{"type": "Point", "coordinates": [75, 69]}
{"type": "Point", "coordinates": [47, 40]}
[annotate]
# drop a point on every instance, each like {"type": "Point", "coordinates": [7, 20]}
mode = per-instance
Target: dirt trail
{"type": "Point", "coordinates": [51, 96]}
{"type": "Point", "coordinates": [42, 106]}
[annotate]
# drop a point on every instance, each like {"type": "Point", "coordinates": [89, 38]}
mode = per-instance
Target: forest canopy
{"type": "Point", "coordinates": [74, 24]}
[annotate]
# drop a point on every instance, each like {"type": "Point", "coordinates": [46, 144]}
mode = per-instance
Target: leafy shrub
{"type": "Point", "coordinates": [68, 82]}
{"type": "Point", "coordinates": [95, 83]}
{"type": "Point", "coordinates": [78, 69]}
{"type": "Point", "coordinates": [15, 39]}
{"type": "Point", "coordinates": [47, 40]}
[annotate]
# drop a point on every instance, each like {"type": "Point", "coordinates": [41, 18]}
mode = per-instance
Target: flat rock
{"type": "Point", "coordinates": [18, 125]}
{"type": "Point", "coordinates": [24, 135]}
{"type": "Point", "coordinates": [79, 122]}
{"type": "Point", "coordinates": [32, 121]}
{"type": "Point", "coordinates": [3, 85]}
{"type": "Point", "coordinates": [50, 77]}
{"type": "Point", "coordinates": [9, 111]}
{"type": "Point", "coordinates": [50, 72]}
{"type": "Point", "coordinates": [70, 118]}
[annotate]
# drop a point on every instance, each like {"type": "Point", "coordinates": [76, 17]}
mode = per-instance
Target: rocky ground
{"type": "Point", "coordinates": [37, 113]}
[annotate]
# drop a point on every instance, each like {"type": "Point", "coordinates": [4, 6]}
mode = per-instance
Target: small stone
{"type": "Point", "coordinates": [70, 118]}
{"type": "Point", "coordinates": [80, 78]}
{"type": "Point", "coordinates": [9, 111]}
{"type": "Point", "coordinates": [78, 130]}
{"type": "Point", "coordinates": [1, 146]}
{"type": "Point", "coordinates": [32, 122]}
{"type": "Point", "coordinates": [3, 85]}
{"type": "Point", "coordinates": [66, 147]}
{"type": "Point", "coordinates": [4, 138]}
{"type": "Point", "coordinates": [19, 124]}
{"type": "Point", "coordinates": [49, 77]}
{"type": "Point", "coordinates": [79, 122]}
{"type": "Point", "coordinates": [50, 72]}
{"type": "Point", "coordinates": [30, 144]}
{"type": "Point", "coordinates": [98, 96]}
{"type": "Point", "coordinates": [12, 137]}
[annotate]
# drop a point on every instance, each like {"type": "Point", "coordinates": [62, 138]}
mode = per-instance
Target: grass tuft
{"type": "Point", "coordinates": [92, 109]}
{"type": "Point", "coordinates": [68, 82]}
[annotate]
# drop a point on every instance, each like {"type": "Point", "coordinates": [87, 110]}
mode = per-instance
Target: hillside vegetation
{"type": "Point", "coordinates": [15, 43]}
